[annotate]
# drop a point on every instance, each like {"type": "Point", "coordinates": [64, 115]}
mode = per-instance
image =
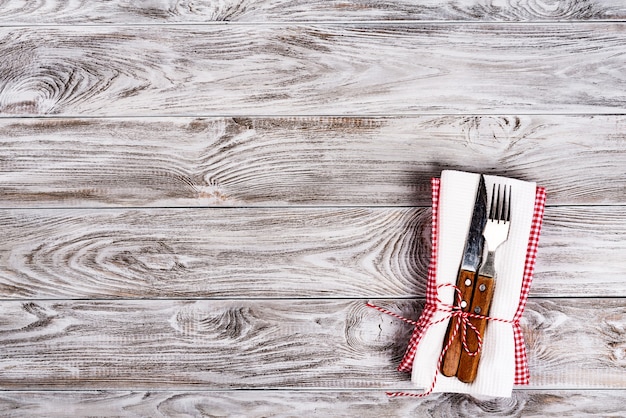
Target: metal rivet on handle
{"type": "Point", "coordinates": [482, 287]}
{"type": "Point", "coordinates": [477, 310]}
{"type": "Point", "coordinates": [463, 304]}
{"type": "Point", "coordinates": [468, 282]}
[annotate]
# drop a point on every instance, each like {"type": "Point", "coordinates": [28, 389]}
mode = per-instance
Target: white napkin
{"type": "Point", "coordinates": [496, 370]}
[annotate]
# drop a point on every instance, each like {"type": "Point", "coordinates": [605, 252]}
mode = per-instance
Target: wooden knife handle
{"type": "Point", "coordinates": [450, 362]}
{"type": "Point", "coordinates": [481, 301]}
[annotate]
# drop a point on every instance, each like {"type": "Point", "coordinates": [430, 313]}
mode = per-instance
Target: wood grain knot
{"type": "Point", "coordinates": [460, 405]}
{"type": "Point", "coordinates": [147, 256]}
{"type": "Point", "coordinates": [369, 330]}
{"type": "Point", "coordinates": [614, 333]}
{"type": "Point", "coordinates": [46, 74]}
{"type": "Point", "coordinates": [233, 323]}
{"type": "Point", "coordinates": [42, 317]}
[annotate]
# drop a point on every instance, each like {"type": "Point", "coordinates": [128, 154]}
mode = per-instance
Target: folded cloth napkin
{"type": "Point", "coordinates": [503, 356]}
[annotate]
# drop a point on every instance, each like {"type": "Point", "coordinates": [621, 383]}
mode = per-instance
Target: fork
{"type": "Point", "coordinates": [495, 233]}
{"type": "Point", "coordinates": [497, 228]}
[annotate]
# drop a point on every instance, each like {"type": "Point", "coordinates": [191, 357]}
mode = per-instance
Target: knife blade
{"type": "Point", "coordinates": [472, 257]}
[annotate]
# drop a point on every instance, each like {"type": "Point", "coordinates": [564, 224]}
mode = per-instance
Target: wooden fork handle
{"type": "Point", "coordinates": [450, 362]}
{"type": "Point", "coordinates": [481, 302]}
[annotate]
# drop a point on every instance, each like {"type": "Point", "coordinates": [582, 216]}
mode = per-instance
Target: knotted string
{"type": "Point", "coordinates": [461, 327]}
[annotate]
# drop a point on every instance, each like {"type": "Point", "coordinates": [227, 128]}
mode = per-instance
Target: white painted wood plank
{"type": "Point", "coordinates": [213, 253]}
{"type": "Point", "coordinates": [24, 12]}
{"type": "Point", "coordinates": [328, 161]}
{"type": "Point", "coordinates": [576, 243]}
{"type": "Point", "coordinates": [298, 344]}
{"type": "Point", "coordinates": [288, 403]}
{"type": "Point", "coordinates": [313, 70]}
{"type": "Point", "coordinates": [261, 253]}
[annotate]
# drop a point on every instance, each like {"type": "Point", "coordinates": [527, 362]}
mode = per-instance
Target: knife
{"type": "Point", "coordinates": [472, 257]}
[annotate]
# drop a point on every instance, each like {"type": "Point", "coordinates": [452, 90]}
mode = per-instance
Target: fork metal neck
{"type": "Point", "coordinates": [487, 268]}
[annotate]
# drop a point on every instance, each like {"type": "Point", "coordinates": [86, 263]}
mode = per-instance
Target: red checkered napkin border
{"type": "Point", "coordinates": [522, 374]}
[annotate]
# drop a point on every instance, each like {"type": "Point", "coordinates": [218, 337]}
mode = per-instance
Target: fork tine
{"type": "Point", "coordinates": [492, 210]}
{"type": "Point", "coordinates": [499, 206]}
{"type": "Point", "coordinates": [503, 209]}
{"type": "Point", "coordinates": [508, 211]}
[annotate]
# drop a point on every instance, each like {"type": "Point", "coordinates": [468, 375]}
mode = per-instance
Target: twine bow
{"type": "Point", "coordinates": [461, 326]}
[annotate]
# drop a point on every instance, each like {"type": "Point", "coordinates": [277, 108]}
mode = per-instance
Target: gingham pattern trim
{"type": "Point", "coordinates": [522, 374]}
{"type": "Point", "coordinates": [406, 365]}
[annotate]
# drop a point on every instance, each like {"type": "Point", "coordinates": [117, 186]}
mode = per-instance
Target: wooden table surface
{"type": "Point", "coordinates": [197, 198]}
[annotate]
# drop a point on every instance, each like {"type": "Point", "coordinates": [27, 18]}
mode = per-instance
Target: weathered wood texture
{"type": "Point", "coordinates": [125, 126]}
{"type": "Point", "coordinates": [213, 253]}
{"type": "Point", "coordinates": [302, 161]}
{"type": "Point", "coordinates": [373, 69]}
{"type": "Point", "coordinates": [260, 253]}
{"type": "Point", "coordinates": [289, 403]}
{"type": "Point", "coordinates": [275, 344]}
{"type": "Point", "coordinates": [22, 12]}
